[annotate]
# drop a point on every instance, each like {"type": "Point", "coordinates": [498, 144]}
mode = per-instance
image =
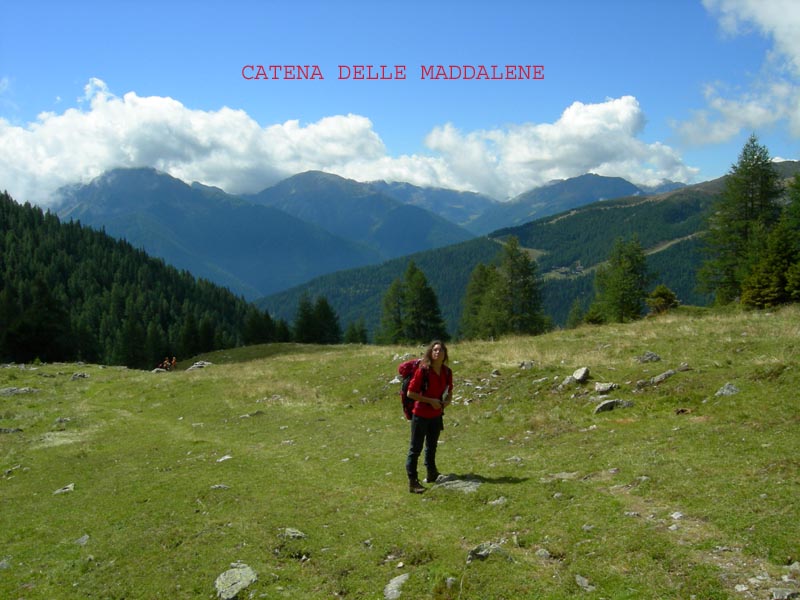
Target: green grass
{"type": "Point", "coordinates": [317, 442]}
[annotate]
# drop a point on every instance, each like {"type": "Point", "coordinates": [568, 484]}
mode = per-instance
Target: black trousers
{"type": "Point", "coordinates": [423, 431]}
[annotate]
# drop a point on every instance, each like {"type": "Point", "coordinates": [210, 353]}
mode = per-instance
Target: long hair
{"type": "Point", "coordinates": [427, 359]}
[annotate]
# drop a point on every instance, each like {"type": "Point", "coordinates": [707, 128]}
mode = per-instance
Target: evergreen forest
{"type": "Point", "coordinates": [70, 293]}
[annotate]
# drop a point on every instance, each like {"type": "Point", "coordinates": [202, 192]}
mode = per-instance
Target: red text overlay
{"type": "Point", "coordinates": [396, 72]}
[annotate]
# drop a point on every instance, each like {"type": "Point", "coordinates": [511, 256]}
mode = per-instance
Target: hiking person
{"type": "Point", "coordinates": [431, 388]}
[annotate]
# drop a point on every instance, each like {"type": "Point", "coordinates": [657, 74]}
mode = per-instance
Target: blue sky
{"type": "Point", "coordinates": [645, 90]}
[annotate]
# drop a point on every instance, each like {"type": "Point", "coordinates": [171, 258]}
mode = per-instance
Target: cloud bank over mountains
{"type": "Point", "coordinates": [228, 149]}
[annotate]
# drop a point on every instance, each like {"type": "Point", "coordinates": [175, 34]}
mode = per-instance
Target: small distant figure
{"type": "Point", "coordinates": [173, 363]}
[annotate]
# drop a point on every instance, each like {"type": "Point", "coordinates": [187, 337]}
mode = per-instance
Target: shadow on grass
{"type": "Point", "coordinates": [479, 478]}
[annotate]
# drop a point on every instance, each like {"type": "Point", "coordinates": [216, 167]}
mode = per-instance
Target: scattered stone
{"type": "Point", "coordinates": [526, 364]}
{"type": "Point", "coordinates": [583, 583]}
{"type": "Point", "coordinates": [13, 391]}
{"type": "Point", "coordinates": [499, 502]}
{"type": "Point", "coordinates": [604, 388]}
{"type": "Point", "coordinates": [220, 486]}
{"type": "Point", "coordinates": [783, 594]}
{"type": "Point", "coordinates": [542, 553]}
{"type": "Point", "coordinates": [292, 534]}
{"type": "Point", "coordinates": [5, 563]}
{"type": "Point", "coordinates": [568, 380]}
{"type": "Point", "coordinates": [83, 540]}
{"type": "Point", "coordinates": [607, 405]}
{"type": "Point", "coordinates": [392, 590]}
{"type": "Point", "coordinates": [10, 430]}
{"type": "Point", "coordinates": [234, 580]}
{"type": "Point", "coordinates": [485, 550]}
{"type": "Point", "coordinates": [662, 377]}
{"type": "Point", "coordinates": [464, 484]}
{"type": "Point", "coordinates": [727, 390]}
{"type": "Point", "coordinates": [224, 458]}
{"type": "Point", "coordinates": [648, 357]}
{"type": "Point", "coordinates": [200, 364]}
{"type": "Point", "coordinates": [581, 375]}
{"type": "Point", "coordinates": [496, 373]}
{"type": "Point", "coordinates": [65, 490]}
{"type": "Point", "coordinates": [76, 376]}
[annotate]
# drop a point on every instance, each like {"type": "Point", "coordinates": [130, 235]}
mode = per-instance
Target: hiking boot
{"type": "Point", "coordinates": [415, 487]}
{"type": "Point", "coordinates": [432, 477]}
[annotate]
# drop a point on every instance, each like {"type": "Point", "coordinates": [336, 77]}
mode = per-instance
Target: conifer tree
{"type": "Point", "coordinates": [327, 323]}
{"type": "Point", "coordinates": [621, 283]}
{"type": "Point", "coordinates": [474, 315]}
{"type": "Point", "coordinates": [356, 332]}
{"type": "Point", "coordinates": [390, 330]}
{"type": "Point", "coordinates": [422, 319]}
{"type": "Point", "coordinates": [772, 281]}
{"type": "Point", "coordinates": [304, 330]}
{"type": "Point", "coordinates": [504, 299]}
{"type": "Point", "coordinates": [520, 290]}
{"type": "Point", "coordinates": [739, 223]}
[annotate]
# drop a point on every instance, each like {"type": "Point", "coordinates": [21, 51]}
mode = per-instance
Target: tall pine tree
{"type": "Point", "coordinates": [504, 299]}
{"type": "Point", "coordinates": [621, 284]}
{"type": "Point", "coordinates": [422, 321]}
{"type": "Point", "coordinates": [739, 223]}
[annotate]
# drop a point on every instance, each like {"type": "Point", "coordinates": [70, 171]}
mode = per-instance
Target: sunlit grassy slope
{"type": "Point", "coordinates": [175, 476]}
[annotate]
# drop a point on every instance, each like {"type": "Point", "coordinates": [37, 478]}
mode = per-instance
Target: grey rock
{"type": "Point", "coordinates": [65, 490]}
{"type": "Point", "coordinates": [200, 364]}
{"type": "Point", "coordinates": [604, 388]}
{"type": "Point", "coordinates": [662, 377]}
{"type": "Point", "coordinates": [607, 405]}
{"type": "Point", "coordinates": [13, 391]}
{"type": "Point", "coordinates": [234, 580]}
{"type": "Point", "coordinates": [581, 375]}
{"type": "Point", "coordinates": [392, 591]}
{"type": "Point", "coordinates": [583, 583]}
{"type": "Point", "coordinates": [727, 390]}
{"type": "Point", "coordinates": [485, 550]}
{"type": "Point", "coordinates": [465, 485]}
{"type": "Point", "coordinates": [783, 594]}
{"type": "Point", "coordinates": [292, 534]}
{"type": "Point", "coordinates": [648, 357]}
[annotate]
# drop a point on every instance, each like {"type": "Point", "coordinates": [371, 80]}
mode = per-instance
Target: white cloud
{"type": "Point", "coordinates": [228, 149]}
{"type": "Point", "coordinates": [774, 97]}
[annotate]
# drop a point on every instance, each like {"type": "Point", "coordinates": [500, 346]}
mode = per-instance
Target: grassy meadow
{"type": "Point", "coordinates": [169, 478]}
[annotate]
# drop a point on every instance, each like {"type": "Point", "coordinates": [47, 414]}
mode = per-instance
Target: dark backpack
{"type": "Point", "coordinates": [406, 371]}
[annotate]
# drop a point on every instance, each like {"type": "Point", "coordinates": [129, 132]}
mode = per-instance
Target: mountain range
{"type": "Point", "coordinates": [568, 247]}
{"type": "Point", "coordinates": [319, 233]}
{"type": "Point", "coordinates": [305, 226]}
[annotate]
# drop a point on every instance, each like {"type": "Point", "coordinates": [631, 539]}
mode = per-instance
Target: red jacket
{"type": "Point", "coordinates": [436, 387]}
